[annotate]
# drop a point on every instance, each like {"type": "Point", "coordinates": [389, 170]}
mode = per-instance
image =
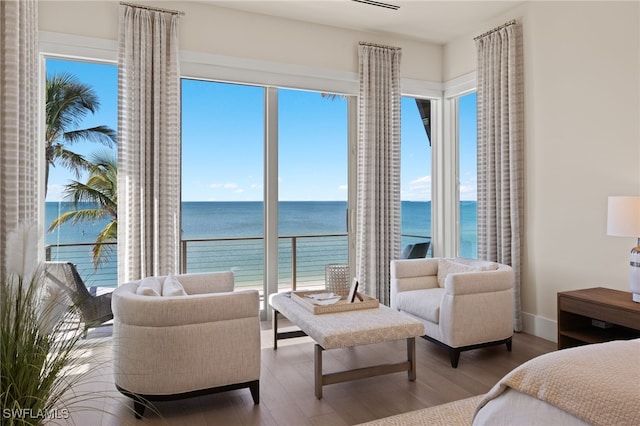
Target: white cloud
{"type": "Point", "coordinates": [468, 193]}
{"type": "Point", "coordinates": [343, 187]}
{"type": "Point", "coordinates": [55, 192]}
{"type": "Point", "coordinates": [419, 189]}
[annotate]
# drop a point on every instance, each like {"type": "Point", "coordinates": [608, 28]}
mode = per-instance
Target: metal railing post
{"type": "Point", "coordinates": [294, 277]}
{"type": "Point", "coordinates": [183, 263]}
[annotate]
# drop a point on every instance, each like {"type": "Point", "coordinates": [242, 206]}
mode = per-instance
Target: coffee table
{"type": "Point", "coordinates": [348, 329]}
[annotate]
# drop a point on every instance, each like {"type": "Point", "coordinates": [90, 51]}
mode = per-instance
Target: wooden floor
{"type": "Point", "coordinates": [287, 389]}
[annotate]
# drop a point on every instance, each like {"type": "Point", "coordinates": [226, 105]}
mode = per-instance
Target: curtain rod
{"type": "Point", "coordinates": [156, 9]}
{"type": "Point", "coordinates": [364, 43]}
{"type": "Point", "coordinates": [512, 22]}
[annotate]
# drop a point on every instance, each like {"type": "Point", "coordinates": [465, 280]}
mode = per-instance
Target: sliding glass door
{"type": "Point", "coordinates": [222, 185]}
{"type": "Point", "coordinates": [250, 154]}
{"type": "Point", "coordinates": [312, 186]}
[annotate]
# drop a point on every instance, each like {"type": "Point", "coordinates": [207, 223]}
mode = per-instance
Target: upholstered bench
{"type": "Point", "coordinates": [347, 329]}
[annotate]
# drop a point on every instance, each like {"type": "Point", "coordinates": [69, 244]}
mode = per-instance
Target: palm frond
{"type": "Point", "coordinates": [101, 134]}
{"type": "Point", "coordinates": [76, 163]}
{"type": "Point", "coordinates": [68, 102]}
{"type": "Point", "coordinates": [102, 251]}
{"type": "Point", "coordinates": [100, 191]}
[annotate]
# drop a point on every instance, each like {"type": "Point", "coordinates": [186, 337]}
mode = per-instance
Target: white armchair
{"type": "Point", "coordinates": [463, 303]}
{"type": "Point", "coordinates": [171, 347]}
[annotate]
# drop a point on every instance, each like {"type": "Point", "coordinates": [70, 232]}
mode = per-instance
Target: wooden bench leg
{"type": "Point", "coordinates": [411, 357]}
{"type": "Point", "coordinates": [274, 325]}
{"type": "Point", "coordinates": [317, 363]}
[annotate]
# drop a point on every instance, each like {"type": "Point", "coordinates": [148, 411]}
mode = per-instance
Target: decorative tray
{"type": "Point", "coordinates": [340, 306]}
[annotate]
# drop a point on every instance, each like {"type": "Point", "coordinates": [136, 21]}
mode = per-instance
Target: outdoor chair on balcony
{"type": "Point", "coordinates": [415, 251]}
{"type": "Point", "coordinates": [94, 310]}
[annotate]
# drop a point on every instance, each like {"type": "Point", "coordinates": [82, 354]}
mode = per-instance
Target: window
{"type": "Point", "coordinates": [415, 170]}
{"type": "Point", "coordinates": [468, 175]}
{"type": "Point", "coordinates": [224, 141]}
{"type": "Point", "coordinates": [312, 185]}
{"type": "Point", "coordinates": [222, 179]}
{"type": "Point", "coordinates": [77, 136]}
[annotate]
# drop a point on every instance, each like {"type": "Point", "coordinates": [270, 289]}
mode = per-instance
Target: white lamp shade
{"type": "Point", "coordinates": [623, 217]}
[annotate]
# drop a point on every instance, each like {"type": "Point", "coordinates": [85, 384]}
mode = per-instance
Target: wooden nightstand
{"type": "Point", "coordinates": [616, 314]}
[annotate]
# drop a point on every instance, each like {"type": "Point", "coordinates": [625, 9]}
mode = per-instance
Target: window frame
{"type": "Point", "coordinates": [447, 232]}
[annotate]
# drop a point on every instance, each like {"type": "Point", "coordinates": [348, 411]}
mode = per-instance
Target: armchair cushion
{"type": "Point", "coordinates": [422, 303]}
{"type": "Point", "coordinates": [447, 266]}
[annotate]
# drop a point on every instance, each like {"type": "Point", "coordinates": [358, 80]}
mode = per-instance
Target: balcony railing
{"type": "Point", "coordinates": [301, 258]}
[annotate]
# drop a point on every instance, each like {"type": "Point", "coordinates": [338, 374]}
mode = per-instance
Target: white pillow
{"type": "Point", "coordinates": [172, 287]}
{"type": "Point", "coordinates": [149, 286]}
{"type": "Point", "coordinates": [446, 267]}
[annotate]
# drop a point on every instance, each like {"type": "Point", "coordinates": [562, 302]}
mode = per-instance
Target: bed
{"type": "Point", "coordinates": [596, 384]}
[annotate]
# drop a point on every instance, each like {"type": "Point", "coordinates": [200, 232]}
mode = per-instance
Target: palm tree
{"type": "Point", "coordinates": [100, 192]}
{"type": "Point", "coordinates": [68, 102]}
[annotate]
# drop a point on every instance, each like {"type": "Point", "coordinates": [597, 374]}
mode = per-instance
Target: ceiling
{"type": "Point", "coordinates": [425, 20]}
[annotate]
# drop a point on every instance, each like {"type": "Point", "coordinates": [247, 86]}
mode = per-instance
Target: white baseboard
{"type": "Point", "coordinates": [539, 326]}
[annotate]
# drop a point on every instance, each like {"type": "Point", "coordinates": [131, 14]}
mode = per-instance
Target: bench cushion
{"type": "Point", "coordinates": [350, 328]}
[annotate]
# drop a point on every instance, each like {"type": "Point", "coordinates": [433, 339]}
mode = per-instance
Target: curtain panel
{"type": "Point", "coordinates": [378, 199]}
{"type": "Point", "coordinates": [19, 145]}
{"type": "Point", "coordinates": [149, 153]}
{"type": "Point", "coordinates": [500, 101]}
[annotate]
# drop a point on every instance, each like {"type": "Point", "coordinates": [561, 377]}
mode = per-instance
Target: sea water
{"type": "Point", "coordinates": [241, 226]}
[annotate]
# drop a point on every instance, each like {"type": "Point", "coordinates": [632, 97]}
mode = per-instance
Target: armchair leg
{"type": "Point", "coordinates": [138, 407]}
{"type": "Point", "coordinates": [254, 387]}
{"type": "Point", "coordinates": [509, 343]}
{"type": "Point", "coordinates": [454, 354]}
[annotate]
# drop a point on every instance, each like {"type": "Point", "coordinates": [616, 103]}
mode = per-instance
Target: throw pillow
{"type": "Point", "coordinates": [149, 286]}
{"type": "Point", "coordinates": [446, 267]}
{"type": "Point", "coordinates": [172, 287]}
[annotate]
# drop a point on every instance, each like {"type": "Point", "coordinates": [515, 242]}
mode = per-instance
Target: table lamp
{"type": "Point", "coordinates": [623, 220]}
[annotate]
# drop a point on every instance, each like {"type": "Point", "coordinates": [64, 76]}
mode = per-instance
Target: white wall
{"type": "Point", "coordinates": [582, 115]}
{"type": "Point", "coordinates": [208, 29]}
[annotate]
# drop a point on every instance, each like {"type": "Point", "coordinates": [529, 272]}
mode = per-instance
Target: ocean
{"type": "Point", "coordinates": [317, 230]}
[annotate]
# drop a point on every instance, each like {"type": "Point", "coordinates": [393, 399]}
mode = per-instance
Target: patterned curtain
{"type": "Point", "coordinates": [19, 147]}
{"type": "Point", "coordinates": [148, 144]}
{"type": "Point", "coordinates": [378, 200]}
{"type": "Point", "coordinates": [500, 151]}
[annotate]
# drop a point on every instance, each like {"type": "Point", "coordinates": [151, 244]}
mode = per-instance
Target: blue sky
{"type": "Point", "coordinates": [223, 141]}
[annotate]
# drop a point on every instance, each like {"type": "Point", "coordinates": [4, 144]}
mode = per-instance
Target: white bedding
{"type": "Point", "coordinates": [514, 408]}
